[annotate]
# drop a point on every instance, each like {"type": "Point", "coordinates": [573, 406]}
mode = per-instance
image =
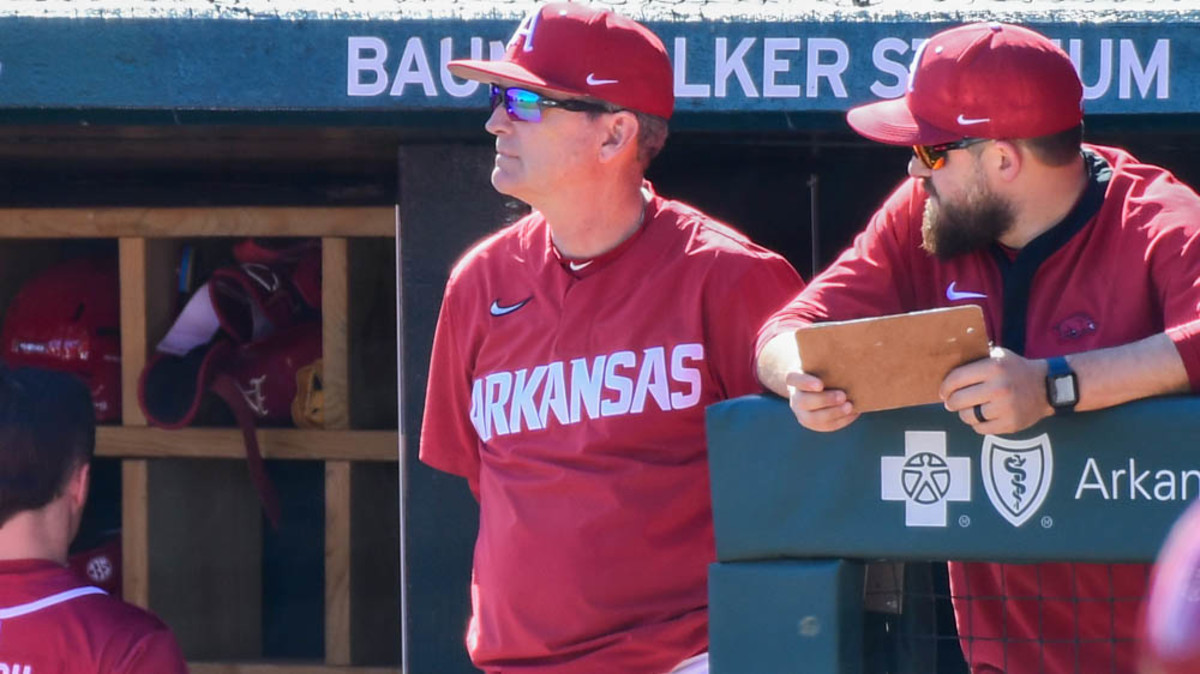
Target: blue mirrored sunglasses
{"type": "Point", "coordinates": [526, 106]}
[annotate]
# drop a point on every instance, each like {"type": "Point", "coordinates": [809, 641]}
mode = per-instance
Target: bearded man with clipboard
{"type": "Point", "coordinates": [1086, 265]}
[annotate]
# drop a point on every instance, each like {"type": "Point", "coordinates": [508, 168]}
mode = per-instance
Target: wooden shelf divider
{"type": "Point", "coordinates": [163, 223]}
{"type": "Point", "coordinates": [135, 533]}
{"type": "Point", "coordinates": [335, 314]}
{"type": "Point", "coordinates": [135, 475]}
{"type": "Point", "coordinates": [134, 332]}
{"type": "Point", "coordinates": [335, 317]}
{"type": "Point", "coordinates": [226, 443]}
{"type": "Point", "coordinates": [338, 485]}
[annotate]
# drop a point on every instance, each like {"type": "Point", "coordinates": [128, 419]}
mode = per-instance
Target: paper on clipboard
{"type": "Point", "coordinates": [893, 361]}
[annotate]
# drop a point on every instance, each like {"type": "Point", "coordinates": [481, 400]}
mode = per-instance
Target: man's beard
{"type": "Point", "coordinates": [952, 229]}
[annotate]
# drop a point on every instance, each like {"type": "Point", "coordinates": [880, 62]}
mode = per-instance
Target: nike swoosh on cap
{"type": "Point", "coordinates": [592, 80]}
{"type": "Point", "coordinates": [954, 295]}
{"type": "Point", "coordinates": [498, 310]}
{"type": "Point", "coordinates": [967, 121]}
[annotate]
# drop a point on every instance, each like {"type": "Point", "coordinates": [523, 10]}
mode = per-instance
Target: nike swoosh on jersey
{"type": "Point", "coordinates": [498, 310]}
{"type": "Point", "coordinates": [967, 121]}
{"type": "Point", "coordinates": [576, 266]}
{"type": "Point", "coordinates": [593, 81]}
{"type": "Point", "coordinates": [954, 295]}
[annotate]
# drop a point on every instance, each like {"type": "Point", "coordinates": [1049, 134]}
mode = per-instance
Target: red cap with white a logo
{"type": "Point", "coordinates": [579, 51]}
{"type": "Point", "coordinates": [982, 80]}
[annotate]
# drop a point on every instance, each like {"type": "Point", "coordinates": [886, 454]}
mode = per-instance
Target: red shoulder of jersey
{"type": "Point", "coordinates": [54, 621]}
{"type": "Point", "coordinates": [525, 237]}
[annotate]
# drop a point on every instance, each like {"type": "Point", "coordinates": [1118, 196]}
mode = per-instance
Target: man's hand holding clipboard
{"type": "Point", "coordinates": [893, 361]}
{"type": "Point", "coordinates": [940, 355]}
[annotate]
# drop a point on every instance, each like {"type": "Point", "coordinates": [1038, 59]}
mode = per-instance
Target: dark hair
{"type": "Point", "coordinates": [652, 134]}
{"type": "Point", "coordinates": [47, 431]}
{"type": "Point", "coordinates": [1057, 149]}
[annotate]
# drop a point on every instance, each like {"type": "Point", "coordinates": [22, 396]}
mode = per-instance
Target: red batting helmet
{"type": "Point", "coordinates": [68, 318]}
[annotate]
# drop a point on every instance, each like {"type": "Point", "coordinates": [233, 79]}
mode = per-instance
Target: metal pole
{"type": "Point", "coordinates": [814, 220]}
{"type": "Point", "coordinates": [402, 458]}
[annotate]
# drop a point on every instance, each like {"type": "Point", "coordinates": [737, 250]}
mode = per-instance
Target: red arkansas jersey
{"type": "Point", "coordinates": [571, 397]}
{"type": "Point", "coordinates": [1122, 266]}
{"type": "Point", "coordinates": [53, 622]}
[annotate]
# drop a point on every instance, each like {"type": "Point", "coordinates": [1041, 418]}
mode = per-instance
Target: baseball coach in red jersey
{"type": "Point", "coordinates": [51, 620]}
{"type": "Point", "coordinates": [574, 355]}
{"type": "Point", "coordinates": [1086, 263]}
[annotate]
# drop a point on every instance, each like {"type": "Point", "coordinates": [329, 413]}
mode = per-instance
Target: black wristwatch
{"type": "Point", "coordinates": [1062, 386]}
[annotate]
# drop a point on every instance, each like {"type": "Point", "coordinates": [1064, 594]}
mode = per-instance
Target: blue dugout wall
{"type": "Point", "coordinates": [797, 512]}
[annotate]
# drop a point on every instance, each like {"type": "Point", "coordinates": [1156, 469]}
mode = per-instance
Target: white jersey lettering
{"type": "Point", "coordinates": [554, 399]}
{"type": "Point", "coordinates": [652, 379]}
{"type": "Point", "coordinates": [522, 405]}
{"type": "Point", "coordinates": [497, 388]}
{"type": "Point", "coordinates": [571, 392]}
{"type": "Point", "coordinates": [617, 382]}
{"type": "Point", "coordinates": [585, 387]}
{"type": "Point", "coordinates": [687, 375]}
{"type": "Point", "coordinates": [477, 416]}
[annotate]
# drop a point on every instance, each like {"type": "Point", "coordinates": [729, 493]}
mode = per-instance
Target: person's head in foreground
{"type": "Point", "coordinates": [47, 436]}
{"type": "Point", "coordinates": [1171, 616]}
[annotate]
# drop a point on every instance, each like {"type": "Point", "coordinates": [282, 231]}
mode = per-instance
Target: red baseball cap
{"type": "Point", "coordinates": [579, 51]}
{"type": "Point", "coordinates": [982, 80]}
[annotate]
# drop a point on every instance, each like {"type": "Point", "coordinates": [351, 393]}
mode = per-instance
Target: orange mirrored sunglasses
{"type": "Point", "coordinates": [934, 156]}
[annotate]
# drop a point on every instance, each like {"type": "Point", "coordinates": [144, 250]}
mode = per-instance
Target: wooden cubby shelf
{"type": "Point", "coordinates": [169, 501]}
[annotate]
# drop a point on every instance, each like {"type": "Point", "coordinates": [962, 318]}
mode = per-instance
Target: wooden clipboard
{"type": "Point", "coordinates": [893, 361]}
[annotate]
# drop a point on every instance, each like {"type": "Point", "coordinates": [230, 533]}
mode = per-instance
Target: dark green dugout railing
{"type": "Point", "coordinates": [796, 511]}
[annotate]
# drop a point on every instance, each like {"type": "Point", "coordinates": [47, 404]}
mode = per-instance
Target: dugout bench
{"type": "Point", "coordinates": [796, 512]}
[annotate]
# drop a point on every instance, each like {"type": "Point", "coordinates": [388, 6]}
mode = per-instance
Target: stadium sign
{"type": "Point", "coordinates": [323, 65]}
{"type": "Point", "coordinates": [1094, 486]}
{"type": "Point", "coordinates": [744, 68]}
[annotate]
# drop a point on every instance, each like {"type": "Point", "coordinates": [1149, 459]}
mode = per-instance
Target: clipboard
{"type": "Point", "coordinates": [893, 361]}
